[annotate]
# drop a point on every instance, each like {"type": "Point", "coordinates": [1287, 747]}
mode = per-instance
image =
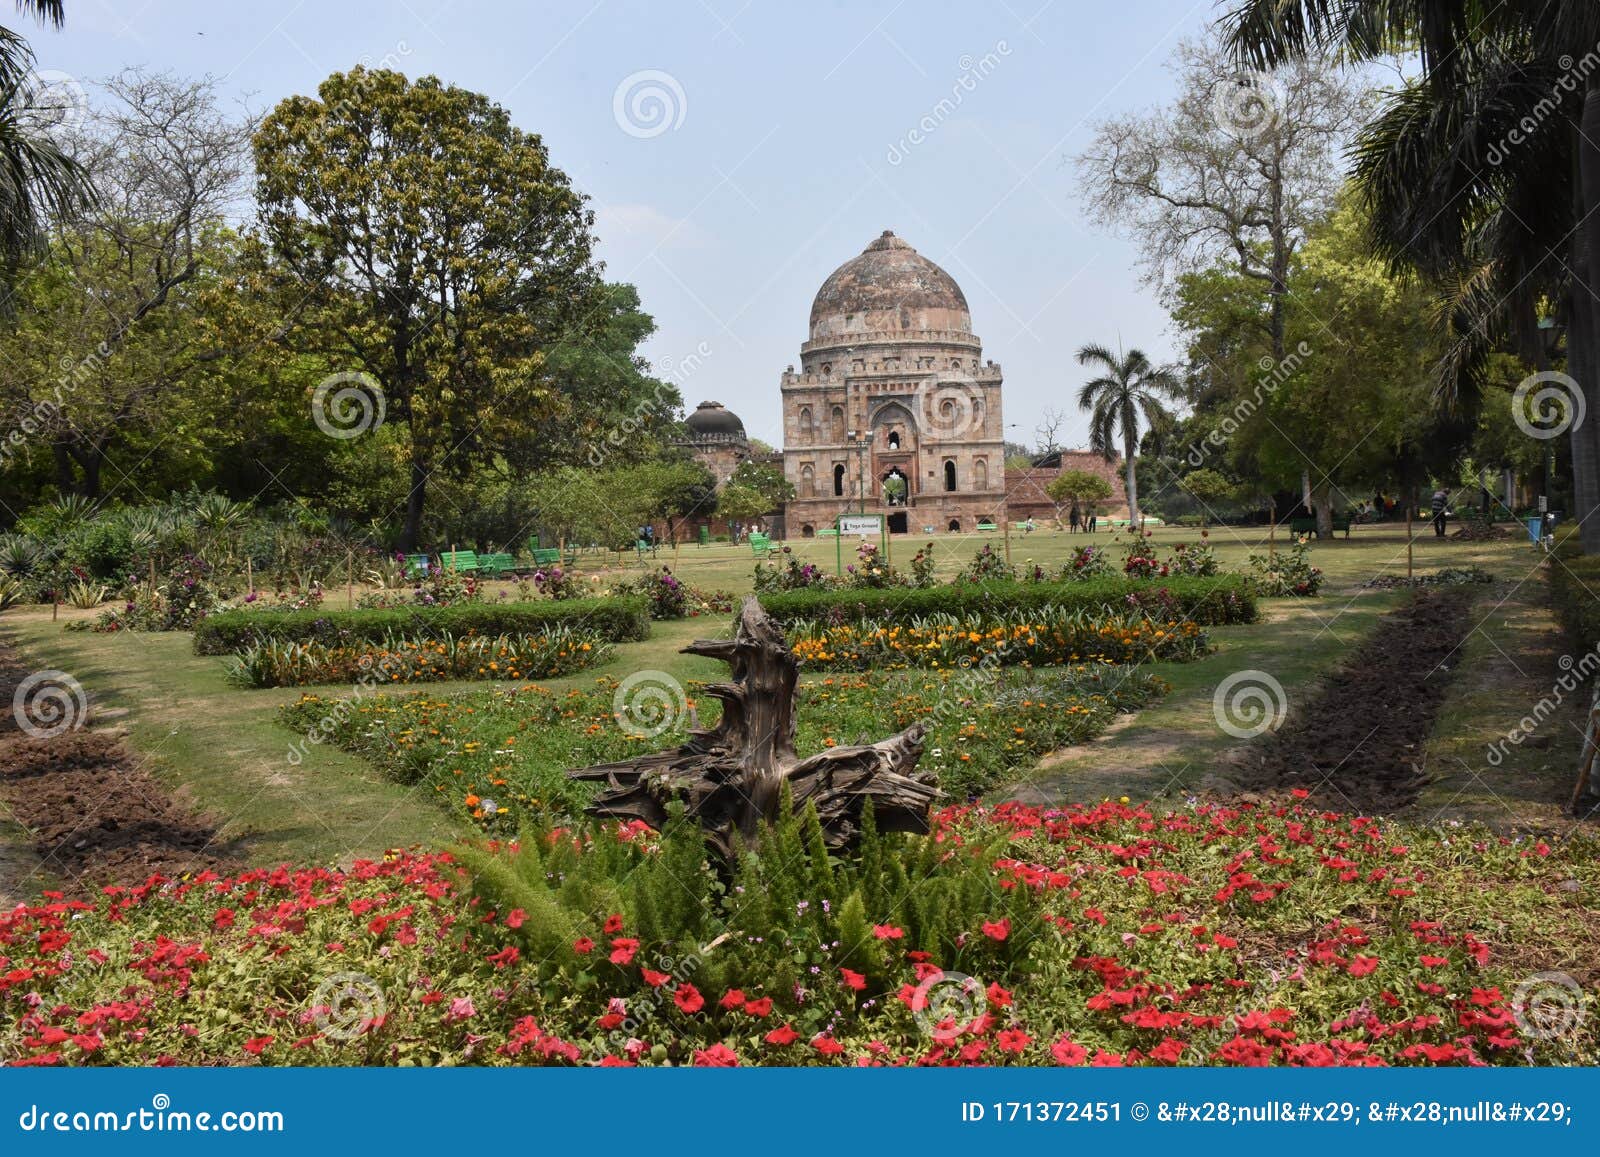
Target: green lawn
{"type": "Point", "coordinates": [225, 751]}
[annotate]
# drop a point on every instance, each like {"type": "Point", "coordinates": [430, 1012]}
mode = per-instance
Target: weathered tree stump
{"type": "Point", "coordinates": [731, 777]}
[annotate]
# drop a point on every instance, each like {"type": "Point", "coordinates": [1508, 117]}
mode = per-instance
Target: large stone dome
{"type": "Point", "coordinates": [888, 289]}
{"type": "Point", "coordinates": [713, 420]}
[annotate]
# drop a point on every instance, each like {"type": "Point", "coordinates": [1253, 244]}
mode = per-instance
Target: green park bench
{"type": "Point", "coordinates": [417, 566]}
{"type": "Point", "coordinates": [987, 526]}
{"type": "Point", "coordinates": [496, 565]}
{"type": "Point", "coordinates": [761, 545]}
{"type": "Point", "coordinates": [546, 555]}
{"type": "Point", "coordinates": [827, 532]}
{"type": "Point", "coordinates": [1309, 525]}
{"type": "Point", "coordinates": [463, 561]}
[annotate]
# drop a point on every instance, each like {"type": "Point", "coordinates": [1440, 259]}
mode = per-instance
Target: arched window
{"type": "Point", "coordinates": [894, 439]}
{"type": "Point", "coordinates": [837, 419]}
{"type": "Point", "coordinates": [955, 525]}
{"type": "Point", "coordinates": [805, 422]}
{"type": "Point", "coordinates": [807, 531]}
{"type": "Point", "coordinates": [838, 479]}
{"type": "Point", "coordinates": [949, 475]}
{"type": "Point", "coordinates": [808, 481]}
{"type": "Point", "coordinates": [980, 475]}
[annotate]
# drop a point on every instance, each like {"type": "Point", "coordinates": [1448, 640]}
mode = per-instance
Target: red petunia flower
{"type": "Point", "coordinates": [255, 1044]}
{"type": "Point", "coordinates": [998, 929]}
{"type": "Point", "coordinates": [1013, 1040]}
{"type": "Point", "coordinates": [999, 997]}
{"type": "Point", "coordinates": [853, 980]}
{"type": "Point", "coordinates": [887, 932]}
{"type": "Point", "coordinates": [583, 946]}
{"type": "Point", "coordinates": [718, 1056]}
{"type": "Point", "coordinates": [516, 918]}
{"type": "Point", "coordinates": [1067, 1053]}
{"type": "Point", "coordinates": [733, 998]}
{"type": "Point", "coordinates": [827, 1046]}
{"type": "Point", "coordinates": [653, 978]}
{"type": "Point", "coordinates": [758, 1008]}
{"type": "Point", "coordinates": [687, 997]}
{"type": "Point", "coordinates": [613, 924]}
{"type": "Point", "coordinates": [622, 950]}
{"type": "Point", "coordinates": [782, 1036]}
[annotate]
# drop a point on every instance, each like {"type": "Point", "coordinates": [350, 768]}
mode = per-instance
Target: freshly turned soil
{"type": "Point", "coordinates": [93, 816]}
{"type": "Point", "coordinates": [1356, 747]}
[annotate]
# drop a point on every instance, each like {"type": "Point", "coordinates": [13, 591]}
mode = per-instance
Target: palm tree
{"type": "Point", "coordinates": [1129, 388]}
{"type": "Point", "coordinates": [1483, 175]}
{"type": "Point", "coordinates": [39, 180]}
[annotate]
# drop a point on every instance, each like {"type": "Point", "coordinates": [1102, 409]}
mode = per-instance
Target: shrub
{"type": "Point", "coordinates": [1287, 574]}
{"type": "Point", "coordinates": [546, 654]}
{"type": "Point", "coordinates": [1044, 637]}
{"type": "Point", "coordinates": [987, 566]}
{"type": "Point", "coordinates": [1208, 602]}
{"type": "Point", "coordinates": [1573, 579]}
{"type": "Point", "coordinates": [1087, 562]}
{"type": "Point", "coordinates": [790, 574]}
{"type": "Point", "coordinates": [614, 619]}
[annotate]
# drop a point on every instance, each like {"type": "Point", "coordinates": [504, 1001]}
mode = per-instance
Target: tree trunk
{"type": "Point", "coordinates": [1322, 504]}
{"type": "Point", "coordinates": [1132, 485]}
{"type": "Point", "coordinates": [414, 497]}
{"type": "Point", "coordinates": [732, 777]}
{"type": "Point", "coordinates": [1585, 325]}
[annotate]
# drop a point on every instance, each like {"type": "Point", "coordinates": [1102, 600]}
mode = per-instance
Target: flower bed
{"type": "Point", "coordinates": [1101, 935]}
{"type": "Point", "coordinates": [1045, 637]}
{"type": "Point", "coordinates": [545, 654]}
{"type": "Point", "coordinates": [1208, 602]}
{"type": "Point", "coordinates": [614, 619]}
{"type": "Point", "coordinates": [501, 756]}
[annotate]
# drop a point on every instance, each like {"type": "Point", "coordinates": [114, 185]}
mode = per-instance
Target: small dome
{"type": "Point", "coordinates": [887, 288]}
{"type": "Point", "coordinates": [712, 419]}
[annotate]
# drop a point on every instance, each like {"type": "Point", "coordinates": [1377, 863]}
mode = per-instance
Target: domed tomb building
{"type": "Point", "coordinates": [893, 409]}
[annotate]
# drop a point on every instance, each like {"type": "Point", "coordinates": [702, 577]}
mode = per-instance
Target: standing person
{"type": "Point", "coordinates": [1075, 516]}
{"type": "Point", "coordinates": [1441, 499]}
{"type": "Point", "coordinates": [1027, 527]}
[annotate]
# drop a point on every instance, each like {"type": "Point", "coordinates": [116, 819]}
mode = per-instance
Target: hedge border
{"type": "Point", "coordinates": [1209, 601]}
{"type": "Point", "coordinates": [618, 619]}
{"type": "Point", "coordinates": [1570, 571]}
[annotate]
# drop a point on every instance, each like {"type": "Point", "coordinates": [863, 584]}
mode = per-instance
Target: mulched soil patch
{"type": "Point", "coordinates": [1356, 746]}
{"type": "Point", "coordinates": [93, 816]}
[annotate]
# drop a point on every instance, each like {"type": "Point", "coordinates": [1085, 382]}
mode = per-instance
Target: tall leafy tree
{"type": "Point", "coordinates": [430, 244]}
{"type": "Point", "coordinates": [39, 178]}
{"type": "Point", "coordinates": [1483, 174]}
{"type": "Point", "coordinates": [1129, 391]}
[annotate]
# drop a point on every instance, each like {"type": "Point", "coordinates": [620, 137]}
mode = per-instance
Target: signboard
{"type": "Point", "coordinates": [860, 525]}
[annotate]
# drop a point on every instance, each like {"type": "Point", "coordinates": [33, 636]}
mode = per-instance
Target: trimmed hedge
{"type": "Point", "coordinates": [1573, 575]}
{"type": "Point", "coordinates": [618, 619]}
{"type": "Point", "coordinates": [1207, 601]}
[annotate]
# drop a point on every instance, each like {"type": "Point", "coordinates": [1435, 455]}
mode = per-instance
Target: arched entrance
{"type": "Point", "coordinates": [898, 522]}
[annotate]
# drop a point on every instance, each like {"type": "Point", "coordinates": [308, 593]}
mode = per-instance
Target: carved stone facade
{"type": "Point", "coordinates": [893, 408]}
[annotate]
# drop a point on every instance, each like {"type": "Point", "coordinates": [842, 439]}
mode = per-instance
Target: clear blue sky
{"type": "Point", "coordinates": [788, 151]}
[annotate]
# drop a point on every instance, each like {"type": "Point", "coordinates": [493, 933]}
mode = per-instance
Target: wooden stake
{"type": "Point", "coordinates": [152, 574]}
{"type": "Point", "coordinates": [1272, 528]}
{"type": "Point", "coordinates": [1589, 741]}
{"type": "Point", "coordinates": [1005, 521]}
{"type": "Point", "coordinates": [55, 605]}
{"type": "Point", "coordinates": [1409, 504]}
{"type": "Point", "coordinates": [249, 577]}
{"type": "Point", "coordinates": [350, 579]}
